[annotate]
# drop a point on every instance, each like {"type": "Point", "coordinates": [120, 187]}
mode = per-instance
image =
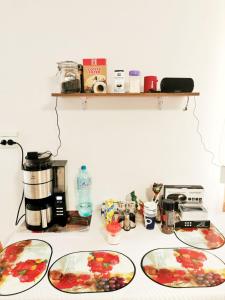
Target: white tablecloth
{"type": "Point", "coordinates": [134, 244]}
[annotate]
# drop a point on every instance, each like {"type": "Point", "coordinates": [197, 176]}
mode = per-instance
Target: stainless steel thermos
{"type": "Point", "coordinates": [38, 190]}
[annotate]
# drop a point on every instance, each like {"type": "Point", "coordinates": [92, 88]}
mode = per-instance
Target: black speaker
{"type": "Point", "coordinates": [176, 85]}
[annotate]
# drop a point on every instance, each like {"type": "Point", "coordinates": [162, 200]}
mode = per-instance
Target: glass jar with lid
{"type": "Point", "coordinates": [69, 77]}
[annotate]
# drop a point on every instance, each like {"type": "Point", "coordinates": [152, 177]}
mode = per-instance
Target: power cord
{"type": "Point", "coordinates": [58, 127]}
{"type": "Point", "coordinates": [201, 137]}
{"type": "Point", "coordinates": [18, 211]}
{"type": "Point", "coordinates": [10, 143]}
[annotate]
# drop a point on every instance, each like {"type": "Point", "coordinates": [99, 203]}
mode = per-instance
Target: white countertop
{"type": "Point", "coordinates": [134, 244]}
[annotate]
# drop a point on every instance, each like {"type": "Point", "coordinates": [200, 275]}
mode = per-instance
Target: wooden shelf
{"type": "Point", "coordinates": [157, 95]}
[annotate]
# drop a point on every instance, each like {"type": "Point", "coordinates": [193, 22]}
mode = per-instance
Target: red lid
{"type": "Point", "coordinates": [113, 227]}
{"type": "Point", "coordinates": [94, 61]}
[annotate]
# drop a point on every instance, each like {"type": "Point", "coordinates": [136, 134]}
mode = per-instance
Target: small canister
{"type": "Point", "coordinates": [126, 222]}
{"type": "Point", "coordinates": [168, 216]}
{"type": "Point", "coordinates": [150, 84]}
{"type": "Point", "coordinates": [149, 214]}
{"type": "Point", "coordinates": [158, 218]}
{"type": "Point", "coordinates": [134, 81]}
{"type": "Point", "coordinates": [132, 209]}
{"type": "Point", "coordinates": [119, 81]}
{"type": "Point", "coordinates": [122, 208]}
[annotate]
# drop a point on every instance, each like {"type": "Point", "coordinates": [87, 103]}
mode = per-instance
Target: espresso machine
{"type": "Point", "coordinates": [44, 191]}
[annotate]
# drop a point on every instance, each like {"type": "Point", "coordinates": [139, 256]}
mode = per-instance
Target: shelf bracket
{"type": "Point", "coordinates": [83, 102]}
{"type": "Point", "coordinates": [160, 103]}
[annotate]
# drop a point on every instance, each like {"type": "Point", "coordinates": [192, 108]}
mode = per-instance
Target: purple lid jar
{"type": "Point", "coordinates": [134, 73]}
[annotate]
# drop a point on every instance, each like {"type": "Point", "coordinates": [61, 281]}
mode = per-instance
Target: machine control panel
{"type": "Point", "coordinates": [60, 209]}
{"type": "Point", "coordinates": [192, 224]}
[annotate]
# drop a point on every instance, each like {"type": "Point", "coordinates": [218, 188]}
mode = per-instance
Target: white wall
{"type": "Point", "coordinates": [126, 143]}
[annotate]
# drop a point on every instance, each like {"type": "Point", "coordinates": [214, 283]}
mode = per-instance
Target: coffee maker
{"type": "Point", "coordinates": [44, 191]}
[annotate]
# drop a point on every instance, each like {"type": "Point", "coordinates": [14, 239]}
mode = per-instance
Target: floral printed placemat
{"type": "Point", "coordinates": [183, 267]}
{"type": "Point", "coordinates": [91, 272]}
{"type": "Point", "coordinates": [201, 238]}
{"type": "Point", "coordinates": [23, 265]}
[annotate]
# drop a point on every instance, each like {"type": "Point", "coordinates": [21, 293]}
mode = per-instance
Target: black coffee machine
{"type": "Point", "coordinates": [44, 191]}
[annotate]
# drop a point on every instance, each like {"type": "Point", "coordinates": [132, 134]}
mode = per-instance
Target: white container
{"type": "Point", "coordinates": [134, 81]}
{"type": "Point", "coordinates": [119, 81]}
{"type": "Point", "coordinates": [150, 214]}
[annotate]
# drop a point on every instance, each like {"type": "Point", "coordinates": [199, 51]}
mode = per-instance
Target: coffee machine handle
{"type": "Point", "coordinates": [44, 222]}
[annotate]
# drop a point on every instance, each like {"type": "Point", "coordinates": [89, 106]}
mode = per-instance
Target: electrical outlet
{"type": "Point", "coordinates": [8, 135]}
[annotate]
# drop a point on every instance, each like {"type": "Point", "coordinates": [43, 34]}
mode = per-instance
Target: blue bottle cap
{"type": "Point", "coordinates": [83, 168]}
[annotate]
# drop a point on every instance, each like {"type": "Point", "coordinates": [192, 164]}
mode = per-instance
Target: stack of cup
{"type": "Point", "coordinates": [150, 214]}
{"type": "Point", "coordinates": [113, 232]}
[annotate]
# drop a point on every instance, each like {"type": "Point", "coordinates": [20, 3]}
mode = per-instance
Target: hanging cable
{"type": "Point", "coordinates": [58, 127]}
{"type": "Point", "coordinates": [201, 137]}
{"type": "Point", "coordinates": [22, 154]}
{"type": "Point", "coordinates": [11, 142]}
{"type": "Point", "coordinates": [18, 211]}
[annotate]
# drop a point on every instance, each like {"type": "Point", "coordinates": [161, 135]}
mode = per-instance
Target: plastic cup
{"type": "Point", "coordinates": [113, 233]}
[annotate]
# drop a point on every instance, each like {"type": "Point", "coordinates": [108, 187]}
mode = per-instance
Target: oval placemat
{"type": "Point", "coordinates": [183, 268]}
{"type": "Point", "coordinates": [23, 265]}
{"type": "Point", "coordinates": [201, 238]}
{"type": "Point", "coordinates": [91, 272]}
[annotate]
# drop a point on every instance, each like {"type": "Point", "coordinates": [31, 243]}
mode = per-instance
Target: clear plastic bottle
{"type": "Point", "coordinates": [84, 192]}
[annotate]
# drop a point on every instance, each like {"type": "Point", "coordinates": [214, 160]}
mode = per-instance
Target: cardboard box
{"type": "Point", "coordinates": [95, 75]}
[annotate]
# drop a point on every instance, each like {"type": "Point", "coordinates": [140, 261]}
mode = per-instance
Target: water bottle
{"type": "Point", "coordinates": [84, 192]}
